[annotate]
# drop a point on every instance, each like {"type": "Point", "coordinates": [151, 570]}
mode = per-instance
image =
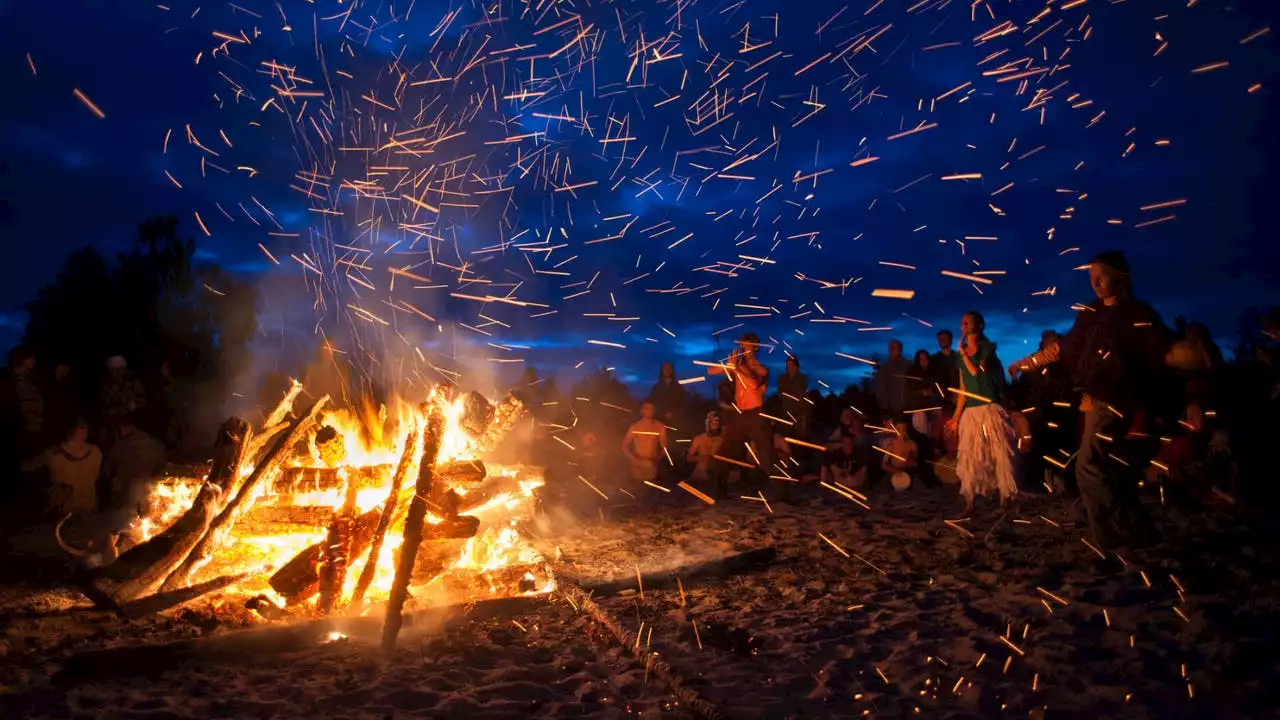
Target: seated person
{"type": "Point", "coordinates": [902, 452]}
{"type": "Point", "coordinates": [705, 445]}
{"type": "Point", "coordinates": [131, 467]}
{"type": "Point", "coordinates": [844, 465]}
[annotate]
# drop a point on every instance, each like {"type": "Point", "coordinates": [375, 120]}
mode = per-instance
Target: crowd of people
{"type": "Point", "coordinates": [1118, 401]}
{"type": "Point", "coordinates": [69, 446]}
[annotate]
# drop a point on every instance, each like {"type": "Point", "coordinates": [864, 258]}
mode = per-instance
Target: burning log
{"type": "Point", "coordinates": [213, 532]}
{"type": "Point", "coordinates": [285, 406]}
{"type": "Point", "coordinates": [162, 601]}
{"type": "Point", "coordinates": [432, 436]}
{"type": "Point", "coordinates": [283, 519]}
{"type": "Point", "coordinates": [505, 416]}
{"type": "Point", "coordinates": [299, 579]}
{"type": "Point", "coordinates": [145, 566]}
{"type": "Point", "coordinates": [276, 421]}
{"type": "Point", "coordinates": [461, 473]}
{"type": "Point", "coordinates": [499, 581]}
{"type": "Point", "coordinates": [384, 520]}
{"type": "Point", "coordinates": [336, 554]}
{"type": "Point", "coordinates": [477, 412]}
{"type": "Point", "coordinates": [331, 446]}
{"type": "Point", "coordinates": [297, 480]}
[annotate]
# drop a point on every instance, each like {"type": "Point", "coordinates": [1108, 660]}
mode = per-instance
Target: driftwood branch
{"type": "Point", "coordinates": [432, 435]}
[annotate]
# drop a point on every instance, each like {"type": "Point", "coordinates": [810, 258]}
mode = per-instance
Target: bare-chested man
{"type": "Point", "coordinates": [644, 444]}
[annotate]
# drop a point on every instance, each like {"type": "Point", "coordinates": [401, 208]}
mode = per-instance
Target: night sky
{"type": "Point", "coordinates": [630, 178]}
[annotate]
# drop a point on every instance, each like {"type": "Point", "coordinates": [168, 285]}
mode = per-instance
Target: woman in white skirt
{"type": "Point", "coordinates": [984, 461]}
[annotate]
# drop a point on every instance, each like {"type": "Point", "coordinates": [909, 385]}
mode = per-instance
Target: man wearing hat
{"type": "Point", "coordinates": [1115, 353]}
{"type": "Point", "coordinates": [743, 422]}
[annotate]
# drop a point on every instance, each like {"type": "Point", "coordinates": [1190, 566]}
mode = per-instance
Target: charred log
{"type": "Point", "coordinates": [282, 410]}
{"type": "Point", "coordinates": [477, 412]}
{"type": "Point", "coordinates": [297, 480]}
{"type": "Point", "coordinates": [145, 566]}
{"type": "Point", "coordinates": [339, 544]}
{"type": "Point", "coordinates": [389, 509]}
{"type": "Point", "coordinates": [282, 519]}
{"type": "Point", "coordinates": [461, 473]}
{"type": "Point", "coordinates": [229, 510]}
{"type": "Point", "coordinates": [501, 581]}
{"type": "Point", "coordinates": [432, 435]}
{"type": "Point", "coordinates": [505, 416]}
{"type": "Point", "coordinates": [299, 579]}
{"type": "Point", "coordinates": [331, 446]}
{"type": "Point", "coordinates": [162, 601]}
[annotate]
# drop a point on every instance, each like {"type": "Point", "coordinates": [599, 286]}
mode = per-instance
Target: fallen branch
{"type": "Point", "coordinates": [162, 601]}
{"type": "Point", "coordinates": [654, 667]}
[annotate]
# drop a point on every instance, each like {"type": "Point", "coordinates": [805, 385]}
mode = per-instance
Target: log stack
{"type": "Point", "coordinates": [159, 572]}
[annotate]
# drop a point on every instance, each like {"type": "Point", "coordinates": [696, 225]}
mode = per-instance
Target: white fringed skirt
{"type": "Point", "coordinates": [984, 462]}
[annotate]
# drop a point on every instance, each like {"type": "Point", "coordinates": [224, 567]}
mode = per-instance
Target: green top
{"type": "Point", "coordinates": [982, 384]}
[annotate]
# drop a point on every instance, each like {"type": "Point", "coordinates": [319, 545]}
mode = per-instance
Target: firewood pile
{"type": "Point", "coordinates": [368, 532]}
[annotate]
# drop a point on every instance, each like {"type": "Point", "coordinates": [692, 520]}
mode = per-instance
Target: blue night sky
{"type": "Point", "coordinates": [647, 174]}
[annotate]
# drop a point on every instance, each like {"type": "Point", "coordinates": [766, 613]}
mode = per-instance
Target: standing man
{"type": "Point", "coordinates": [744, 422]}
{"type": "Point", "coordinates": [943, 362]}
{"type": "Point", "coordinates": [792, 387]}
{"type": "Point", "coordinates": [1115, 352]}
{"type": "Point", "coordinates": [891, 381]}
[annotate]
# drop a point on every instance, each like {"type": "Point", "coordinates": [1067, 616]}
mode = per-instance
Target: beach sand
{"type": "Point", "coordinates": [1007, 613]}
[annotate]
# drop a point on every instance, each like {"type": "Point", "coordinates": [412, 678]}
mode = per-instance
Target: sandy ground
{"type": "Point", "coordinates": [1015, 617]}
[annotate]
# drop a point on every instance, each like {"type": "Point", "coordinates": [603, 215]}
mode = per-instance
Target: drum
{"type": "Point", "coordinates": [901, 481]}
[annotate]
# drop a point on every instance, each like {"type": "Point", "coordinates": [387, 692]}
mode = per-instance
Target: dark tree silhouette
{"type": "Point", "coordinates": [154, 305]}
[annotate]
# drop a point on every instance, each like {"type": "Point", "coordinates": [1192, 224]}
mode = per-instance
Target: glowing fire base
{"type": "Point", "coordinates": [304, 534]}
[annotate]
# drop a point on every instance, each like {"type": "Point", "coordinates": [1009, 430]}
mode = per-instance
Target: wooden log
{"type": "Point", "coordinates": [268, 645]}
{"type": "Point", "coordinates": [331, 446]}
{"type": "Point", "coordinates": [407, 459]}
{"type": "Point", "coordinates": [500, 582]}
{"type": "Point", "coordinates": [505, 416]}
{"type": "Point", "coordinates": [336, 554]}
{"type": "Point", "coordinates": [299, 579]}
{"type": "Point", "coordinates": [461, 473]}
{"type": "Point", "coordinates": [434, 558]}
{"type": "Point", "coordinates": [477, 413]}
{"type": "Point", "coordinates": [145, 566]}
{"type": "Point", "coordinates": [296, 480]}
{"type": "Point", "coordinates": [162, 601]}
{"type": "Point", "coordinates": [432, 435]}
{"type": "Point", "coordinates": [216, 531]}
{"type": "Point", "coordinates": [285, 406]}
{"type": "Point", "coordinates": [282, 519]}
{"type": "Point", "coordinates": [276, 421]}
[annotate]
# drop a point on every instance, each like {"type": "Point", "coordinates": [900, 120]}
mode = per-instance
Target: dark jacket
{"type": "Point", "coordinates": [1116, 354]}
{"type": "Point", "coordinates": [667, 398]}
{"type": "Point", "coordinates": [943, 370]}
{"type": "Point", "coordinates": [890, 382]}
{"type": "Point", "coordinates": [795, 387]}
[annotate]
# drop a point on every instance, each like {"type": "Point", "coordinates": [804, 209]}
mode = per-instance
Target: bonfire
{"type": "Point", "coordinates": [339, 510]}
